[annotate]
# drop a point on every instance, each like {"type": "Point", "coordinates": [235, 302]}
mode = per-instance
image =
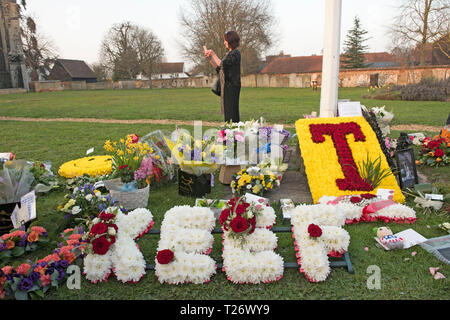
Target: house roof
{"type": "Point", "coordinates": [309, 64]}
{"type": "Point", "coordinates": [77, 68]}
{"type": "Point", "coordinates": [294, 65]}
{"type": "Point", "coordinates": [172, 67]}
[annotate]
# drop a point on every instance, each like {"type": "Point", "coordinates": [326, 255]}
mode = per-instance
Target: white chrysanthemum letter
{"type": "Point", "coordinates": [123, 257]}
{"type": "Point", "coordinates": [255, 260]}
{"type": "Point", "coordinates": [185, 243]}
{"type": "Point", "coordinates": [318, 233]}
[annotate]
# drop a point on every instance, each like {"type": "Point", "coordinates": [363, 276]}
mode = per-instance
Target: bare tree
{"type": "Point", "coordinates": [421, 22]}
{"type": "Point", "coordinates": [128, 50]}
{"type": "Point", "coordinates": [207, 21]}
{"type": "Point", "coordinates": [100, 71]}
{"type": "Point", "coordinates": [404, 55]}
{"type": "Point", "coordinates": [39, 51]}
{"type": "Point", "coordinates": [150, 52]}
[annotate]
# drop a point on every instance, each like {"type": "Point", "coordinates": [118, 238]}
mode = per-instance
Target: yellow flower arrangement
{"type": "Point", "coordinates": [92, 166]}
{"type": "Point", "coordinates": [321, 161]}
{"type": "Point", "coordinates": [253, 180]}
{"type": "Point", "coordinates": [128, 151]}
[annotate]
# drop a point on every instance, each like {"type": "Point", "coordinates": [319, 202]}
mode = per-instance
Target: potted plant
{"type": "Point", "coordinates": [132, 169]}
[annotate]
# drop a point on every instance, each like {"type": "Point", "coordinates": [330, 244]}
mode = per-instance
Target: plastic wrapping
{"type": "Point", "coordinates": [195, 157]}
{"type": "Point", "coordinates": [16, 180]}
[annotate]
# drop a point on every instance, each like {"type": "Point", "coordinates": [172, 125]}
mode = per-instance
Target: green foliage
{"type": "Point", "coordinates": [354, 48]}
{"type": "Point", "coordinates": [371, 171]}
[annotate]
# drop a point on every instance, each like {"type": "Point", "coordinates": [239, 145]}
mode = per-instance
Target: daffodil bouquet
{"type": "Point", "coordinates": [253, 180]}
{"type": "Point", "coordinates": [128, 151]}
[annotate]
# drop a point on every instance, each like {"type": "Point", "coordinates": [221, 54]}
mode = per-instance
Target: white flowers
{"type": "Point", "coordinates": [76, 210]}
{"type": "Point", "coordinates": [375, 209]}
{"type": "Point", "coordinates": [123, 257]}
{"type": "Point", "coordinates": [254, 261]}
{"type": "Point", "coordinates": [187, 232]}
{"type": "Point", "coordinates": [88, 197]}
{"type": "Point", "coordinates": [313, 252]}
{"type": "Point", "coordinates": [267, 218]}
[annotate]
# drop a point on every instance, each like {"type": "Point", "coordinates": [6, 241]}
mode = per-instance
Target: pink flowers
{"type": "Point", "coordinates": [145, 170]}
{"type": "Point", "coordinates": [23, 269]}
{"type": "Point", "coordinates": [437, 275]}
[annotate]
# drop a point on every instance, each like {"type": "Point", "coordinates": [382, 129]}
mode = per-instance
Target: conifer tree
{"type": "Point", "coordinates": [354, 47]}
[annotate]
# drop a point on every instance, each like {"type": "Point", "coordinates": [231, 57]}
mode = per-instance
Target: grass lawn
{"type": "Point", "coordinates": [402, 275]}
{"type": "Point", "coordinates": [280, 105]}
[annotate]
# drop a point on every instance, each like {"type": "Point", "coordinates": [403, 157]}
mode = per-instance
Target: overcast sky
{"type": "Point", "coordinates": [77, 27]}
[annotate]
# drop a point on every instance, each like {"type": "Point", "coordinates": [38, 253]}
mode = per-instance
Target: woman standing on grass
{"type": "Point", "coordinates": [229, 69]}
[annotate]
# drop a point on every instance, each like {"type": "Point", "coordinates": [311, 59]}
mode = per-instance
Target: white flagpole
{"type": "Point", "coordinates": [331, 57]}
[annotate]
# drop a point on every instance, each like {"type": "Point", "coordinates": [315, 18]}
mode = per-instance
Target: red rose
{"type": "Point", "coordinates": [433, 144]}
{"type": "Point", "coordinates": [164, 256]}
{"type": "Point", "coordinates": [239, 224]}
{"type": "Point", "coordinates": [439, 153]}
{"type": "Point", "coordinates": [99, 228]}
{"type": "Point", "coordinates": [355, 199]}
{"type": "Point", "coordinates": [224, 216]}
{"type": "Point", "coordinates": [314, 230]}
{"type": "Point", "coordinates": [101, 245]}
{"type": "Point", "coordinates": [368, 196]}
{"type": "Point", "coordinates": [241, 208]}
{"type": "Point", "coordinates": [134, 138]}
{"type": "Point", "coordinates": [106, 216]}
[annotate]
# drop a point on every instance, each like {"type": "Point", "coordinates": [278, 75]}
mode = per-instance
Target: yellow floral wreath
{"type": "Point", "coordinates": [321, 161]}
{"type": "Point", "coordinates": [92, 166]}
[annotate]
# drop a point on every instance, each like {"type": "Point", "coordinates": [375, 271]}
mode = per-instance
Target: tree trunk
{"type": "Point", "coordinates": [425, 32]}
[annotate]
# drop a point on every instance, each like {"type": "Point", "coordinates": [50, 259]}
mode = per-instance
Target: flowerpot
{"type": "Point", "coordinates": [133, 199]}
{"type": "Point", "coordinates": [112, 184]}
{"type": "Point", "coordinates": [193, 186]}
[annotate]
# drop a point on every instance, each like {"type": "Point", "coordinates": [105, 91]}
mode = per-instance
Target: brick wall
{"type": "Point", "coordinates": [347, 78]}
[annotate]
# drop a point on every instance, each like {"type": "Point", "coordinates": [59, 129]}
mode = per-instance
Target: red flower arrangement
{"type": "Point", "coordinates": [355, 200]}
{"type": "Point", "coordinates": [435, 152]}
{"type": "Point", "coordinates": [102, 233]}
{"type": "Point", "coordinates": [368, 196]}
{"type": "Point", "coordinates": [338, 132]}
{"type": "Point", "coordinates": [134, 138]}
{"type": "Point", "coordinates": [239, 217]}
{"type": "Point", "coordinates": [314, 231]}
{"type": "Point", "coordinates": [165, 256]}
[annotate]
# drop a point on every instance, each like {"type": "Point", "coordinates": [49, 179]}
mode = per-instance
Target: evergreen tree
{"type": "Point", "coordinates": [354, 47]}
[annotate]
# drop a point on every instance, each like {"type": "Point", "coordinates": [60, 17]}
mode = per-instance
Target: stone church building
{"type": "Point", "coordinates": [13, 71]}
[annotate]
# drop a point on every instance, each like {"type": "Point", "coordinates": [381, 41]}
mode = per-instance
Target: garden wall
{"type": "Point", "coordinates": [347, 79]}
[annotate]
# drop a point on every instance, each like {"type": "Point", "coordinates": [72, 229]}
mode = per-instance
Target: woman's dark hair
{"type": "Point", "coordinates": [232, 38]}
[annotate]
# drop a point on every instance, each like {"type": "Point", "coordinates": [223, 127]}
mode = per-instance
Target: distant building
{"type": "Point", "coordinates": [72, 70]}
{"type": "Point", "coordinates": [168, 70]}
{"type": "Point", "coordinates": [313, 64]}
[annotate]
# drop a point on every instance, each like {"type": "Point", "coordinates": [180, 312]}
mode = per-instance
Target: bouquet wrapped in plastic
{"type": "Point", "coordinates": [383, 118]}
{"type": "Point", "coordinates": [195, 157]}
{"type": "Point", "coordinates": [257, 138]}
{"type": "Point", "coordinates": [16, 180]}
